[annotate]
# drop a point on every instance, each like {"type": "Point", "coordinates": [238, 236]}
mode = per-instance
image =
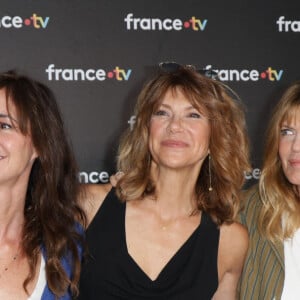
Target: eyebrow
{"type": "Point", "coordinates": [186, 108]}
{"type": "Point", "coordinates": [287, 124]}
{"type": "Point", "coordinates": [8, 117]}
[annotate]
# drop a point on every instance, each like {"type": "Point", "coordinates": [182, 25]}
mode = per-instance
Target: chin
{"type": "Point", "coordinates": [295, 180]}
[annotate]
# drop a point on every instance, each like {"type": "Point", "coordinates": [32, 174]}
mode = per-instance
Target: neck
{"type": "Point", "coordinates": [175, 190]}
{"type": "Point", "coordinates": [11, 213]}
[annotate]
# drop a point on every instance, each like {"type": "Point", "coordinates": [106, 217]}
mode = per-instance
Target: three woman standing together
{"type": "Point", "coordinates": [167, 230]}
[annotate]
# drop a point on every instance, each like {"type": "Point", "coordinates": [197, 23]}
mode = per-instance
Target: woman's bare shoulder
{"type": "Point", "coordinates": [233, 246]}
{"type": "Point", "coordinates": [92, 197]}
{"type": "Point", "coordinates": [234, 240]}
{"type": "Point", "coordinates": [230, 230]}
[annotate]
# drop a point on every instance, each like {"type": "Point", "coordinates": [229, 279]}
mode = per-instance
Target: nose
{"type": "Point", "coordinates": [175, 124]}
{"type": "Point", "coordinates": [296, 143]}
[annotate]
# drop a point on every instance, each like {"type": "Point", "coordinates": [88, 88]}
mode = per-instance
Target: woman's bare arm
{"type": "Point", "coordinates": [233, 248]}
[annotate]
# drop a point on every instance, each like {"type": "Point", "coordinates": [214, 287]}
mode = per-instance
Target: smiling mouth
{"type": "Point", "coordinates": [175, 144]}
{"type": "Point", "coordinates": [295, 163]}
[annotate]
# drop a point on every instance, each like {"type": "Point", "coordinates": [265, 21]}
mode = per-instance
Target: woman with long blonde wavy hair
{"type": "Point", "coordinates": [272, 212]}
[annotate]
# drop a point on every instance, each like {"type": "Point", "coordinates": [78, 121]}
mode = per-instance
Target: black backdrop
{"type": "Point", "coordinates": [96, 54]}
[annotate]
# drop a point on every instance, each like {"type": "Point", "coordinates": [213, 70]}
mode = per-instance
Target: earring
{"type": "Point", "coordinates": [209, 173]}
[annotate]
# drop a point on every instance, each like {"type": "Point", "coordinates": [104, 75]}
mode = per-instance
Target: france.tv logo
{"type": "Point", "coordinates": [17, 22]}
{"type": "Point", "coordinates": [269, 73]}
{"type": "Point", "coordinates": [166, 24]}
{"type": "Point", "coordinates": [287, 25]}
{"type": "Point", "coordinates": [95, 74]}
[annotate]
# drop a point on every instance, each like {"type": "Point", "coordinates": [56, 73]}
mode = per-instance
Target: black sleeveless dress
{"type": "Point", "coordinates": [109, 272]}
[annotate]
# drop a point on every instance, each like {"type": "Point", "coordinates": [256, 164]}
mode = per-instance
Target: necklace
{"type": "Point", "coordinates": [165, 225]}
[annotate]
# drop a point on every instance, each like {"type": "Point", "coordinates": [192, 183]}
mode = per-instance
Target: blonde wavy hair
{"type": "Point", "coordinates": [228, 143]}
{"type": "Point", "coordinates": [280, 197]}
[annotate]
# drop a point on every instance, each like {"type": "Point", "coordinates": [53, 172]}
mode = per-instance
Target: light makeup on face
{"type": "Point", "coordinates": [165, 111]}
{"type": "Point", "coordinates": [288, 131]}
{"type": "Point", "coordinates": [7, 122]}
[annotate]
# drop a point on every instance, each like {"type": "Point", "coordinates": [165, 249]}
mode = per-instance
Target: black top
{"type": "Point", "coordinates": [109, 272]}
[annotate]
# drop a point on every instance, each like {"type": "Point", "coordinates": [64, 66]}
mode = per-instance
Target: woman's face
{"type": "Point", "coordinates": [289, 150]}
{"type": "Point", "coordinates": [179, 133]}
{"type": "Point", "coordinates": [17, 153]}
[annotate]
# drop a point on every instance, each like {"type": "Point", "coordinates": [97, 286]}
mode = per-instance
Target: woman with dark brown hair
{"type": "Point", "coordinates": [40, 239]}
{"type": "Point", "coordinates": [167, 230]}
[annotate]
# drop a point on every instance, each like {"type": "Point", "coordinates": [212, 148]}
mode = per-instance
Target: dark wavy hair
{"type": "Point", "coordinates": [51, 210]}
{"type": "Point", "coordinates": [228, 142]}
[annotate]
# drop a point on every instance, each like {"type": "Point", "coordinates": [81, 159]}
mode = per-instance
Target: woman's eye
{"type": "Point", "coordinates": [286, 131]}
{"type": "Point", "coordinates": [5, 126]}
{"type": "Point", "coordinates": [160, 113]}
{"type": "Point", "coordinates": [194, 115]}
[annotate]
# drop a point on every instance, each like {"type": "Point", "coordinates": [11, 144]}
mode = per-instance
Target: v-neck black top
{"type": "Point", "coordinates": [110, 273]}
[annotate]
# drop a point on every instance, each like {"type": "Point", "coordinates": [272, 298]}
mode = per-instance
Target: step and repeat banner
{"type": "Point", "coordinates": [96, 54]}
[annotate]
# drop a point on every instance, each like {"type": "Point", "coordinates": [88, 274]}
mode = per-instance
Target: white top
{"type": "Point", "coordinates": [41, 283]}
{"type": "Point", "coordinates": [291, 287]}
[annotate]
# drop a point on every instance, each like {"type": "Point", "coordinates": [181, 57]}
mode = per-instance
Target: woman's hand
{"type": "Point", "coordinates": [115, 178]}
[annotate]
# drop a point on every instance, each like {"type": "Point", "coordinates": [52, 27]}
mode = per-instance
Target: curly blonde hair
{"type": "Point", "coordinates": [228, 143]}
{"type": "Point", "coordinates": [279, 196]}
